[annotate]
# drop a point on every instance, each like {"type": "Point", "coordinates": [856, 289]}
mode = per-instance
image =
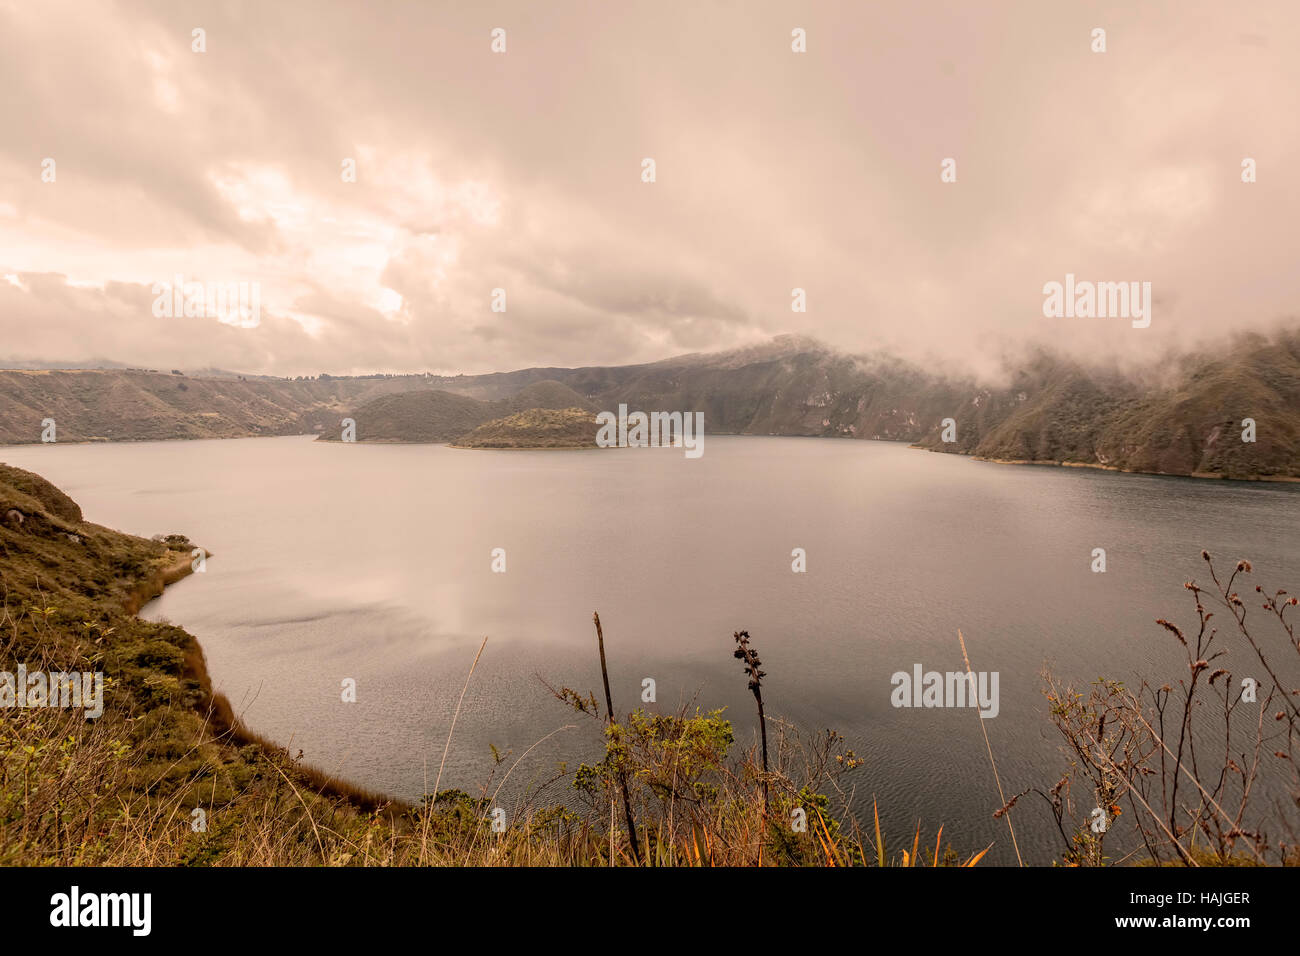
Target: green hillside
{"type": "Point", "coordinates": [535, 428]}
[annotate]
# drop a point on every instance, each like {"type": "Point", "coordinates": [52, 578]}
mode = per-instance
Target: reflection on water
{"type": "Point", "coordinates": [373, 562]}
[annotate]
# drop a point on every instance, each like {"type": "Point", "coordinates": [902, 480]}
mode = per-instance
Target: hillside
{"type": "Point", "coordinates": [1188, 424]}
{"type": "Point", "coordinates": [535, 428]}
{"type": "Point", "coordinates": [436, 415]}
{"type": "Point", "coordinates": [427, 416]}
{"type": "Point", "coordinates": [133, 405]}
{"type": "Point", "coordinates": [118, 788]}
{"type": "Point", "coordinates": [1182, 418]}
{"type": "Point", "coordinates": [791, 386]}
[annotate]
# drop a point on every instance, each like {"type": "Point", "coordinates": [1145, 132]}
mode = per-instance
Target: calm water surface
{"type": "Point", "coordinates": [374, 562]}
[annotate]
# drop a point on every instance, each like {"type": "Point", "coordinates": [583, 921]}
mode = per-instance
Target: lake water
{"type": "Point", "coordinates": [374, 562]}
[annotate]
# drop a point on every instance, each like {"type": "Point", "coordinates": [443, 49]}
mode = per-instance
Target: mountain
{"type": "Point", "coordinates": [134, 405]}
{"type": "Point", "coordinates": [1183, 417]}
{"type": "Point", "coordinates": [1188, 421]}
{"type": "Point", "coordinates": [789, 386]}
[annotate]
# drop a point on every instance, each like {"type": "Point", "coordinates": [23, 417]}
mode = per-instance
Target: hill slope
{"type": "Point", "coordinates": [437, 415]}
{"type": "Point", "coordinates": [1184, 419]}
{"type": "Point", "coordinates": [535, 428]}
{"type": "Point", "coordinates": [1191, 423]}
{"type": "Point", "coordinates": [121, 787]}
{"type": "Point", "coordinates": [113, 405]}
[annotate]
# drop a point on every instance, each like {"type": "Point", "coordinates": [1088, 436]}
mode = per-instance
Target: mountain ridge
{"type": "Point", "coordinates": [1183, 417]}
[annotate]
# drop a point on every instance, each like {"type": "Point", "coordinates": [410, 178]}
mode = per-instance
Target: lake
{"type": "Point", "coordinates": [374, 562]}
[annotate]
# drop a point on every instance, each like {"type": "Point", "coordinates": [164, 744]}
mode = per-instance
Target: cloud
{"type": "Point", "coordinates": [477, 171]}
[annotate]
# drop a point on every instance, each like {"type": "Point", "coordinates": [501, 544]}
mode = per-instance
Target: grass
{"type": "Point", "coordinates": [535, 428]}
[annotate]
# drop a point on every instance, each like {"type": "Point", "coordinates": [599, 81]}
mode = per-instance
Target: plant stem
{"type": "Point", "coordinates": [609, 710]}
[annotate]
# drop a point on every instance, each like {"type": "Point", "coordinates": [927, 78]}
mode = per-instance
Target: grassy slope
{"type": "Point", "coordinates": [1195, 427]}
{"type": "Point", "coordinates": [1059, 411]}
{"type": "Point", "coordinates": [535, 428]}
{"type": "Point", "coordinates": [121, 789]}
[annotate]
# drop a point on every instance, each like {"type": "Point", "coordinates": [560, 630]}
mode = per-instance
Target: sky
{"type": "Point", "coordinates": [523, 171]}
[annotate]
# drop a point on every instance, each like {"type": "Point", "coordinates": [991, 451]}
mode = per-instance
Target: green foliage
{"type": "Point", "coordinates": [672, 757]}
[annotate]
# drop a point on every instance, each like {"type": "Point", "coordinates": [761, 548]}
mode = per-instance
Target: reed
{"type": "Point", "coordinates": [609, 717]}
{"type": "Point", "coordinates": [747, 654]}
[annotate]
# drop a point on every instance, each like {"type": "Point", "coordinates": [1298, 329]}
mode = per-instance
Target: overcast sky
{"type": "Point", "coordinates": [522, 170]}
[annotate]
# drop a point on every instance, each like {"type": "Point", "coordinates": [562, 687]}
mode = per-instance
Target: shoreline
{"type": "Point", "coordinates": [447, 444]}
{"type": "Point", "coordinates": [154, 585]}
{"type": "Point", "coordinates": [1097, 466]}
{"type": "Point", "coordinates": [226, 726]}
{"type": "Point", "coordinates": [141, 441]}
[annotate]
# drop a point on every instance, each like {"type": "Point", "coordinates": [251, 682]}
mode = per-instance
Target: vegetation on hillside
{"type": "Point", "coordinates": [535, 428]}
{"type": "Point", "coordinates": [441, 416]}
{"type": "Point", "coordinates": [1182, 418]}
{"type": "Point", "coordinates": [1190, 421]}
{"type": "Point", "coordinates": [135, 405]}
{"type": "Point", "coordinates": [425, 416]}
